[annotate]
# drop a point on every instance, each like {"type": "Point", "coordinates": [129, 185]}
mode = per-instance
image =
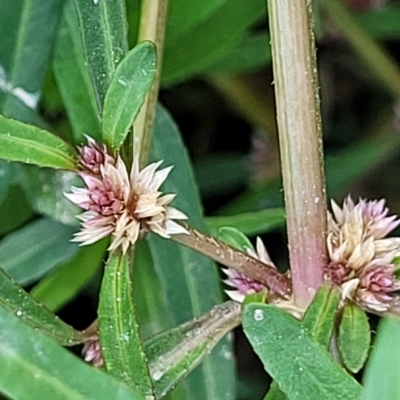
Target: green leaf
{"type": "Point", "coordinates": [32, 251]}
{"type": "Point", "coordinates": [128, 89]}
{"type": "Point", "coordinates": [30, 145]}
{"type": "Point", "coordinates": [381, 378]}
{"type": "Point", "coordinates": [104, 35]}
{"type": "Point", "coordinates": [354, 337]}
{"type": "Point", "coordinates": [27, 30]}
{"type": "Point", "coordinates": [209, 41]}
{"type": "Point", "coordinates": [250, 223]}
{"type": "Point", "coordinates": [251, 54]}
{"type": "Point", "coordinates": [14, 299]}
{"type": "Point", "coordinates": [319, 319]}
{"type": "Point", "coordinates": [234, 238]}
{"type": "Point", "coordinates": [121, 345]}
{"type": "Point", "coordinates": [175, 353]}
{"type": "Point", "coordinates": [48, 371]}
{"type": "Point", "coordinates": [64, 283]}
{"type": "Point", "coordinates": [185, 275]}
{"type": "Point", "coordinates": [73, 78]}
{"type": "Point", "coordinates": [301, 367]}
{"type": "Point", "coordinates": [45, 190]}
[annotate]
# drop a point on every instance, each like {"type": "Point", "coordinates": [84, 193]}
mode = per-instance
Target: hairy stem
{"type": "Point", "coordinates": [152, 27]}
{"type": "Point", "coordinates": [233, 258]}
{"type": "Point", "coordinates": [300, 136]}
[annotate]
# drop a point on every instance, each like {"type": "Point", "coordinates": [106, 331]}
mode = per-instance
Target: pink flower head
{"type": "Point", "coordinates": [93, 156]}
{"type": "Point", "coordinates": [91, 353]}
{"type": "Point", "coordinates": [244, 285]}
{"type": "Point", "coordinates": [126, 206]}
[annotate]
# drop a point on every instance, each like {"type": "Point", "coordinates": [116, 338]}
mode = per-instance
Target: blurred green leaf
{"type": "Point", "coordinates": [14, 209]}
{"type": "Point", "coordinates": [64, 283]}
{"type": "Point", "coordinates": [73, 77]}
{"type": "Point", "coordinates": [173, 354]}
{"type": "Point", "coordinates": [121, 345]}
{"type": "Point", "coordinates": [319, 319]}
{"type": "Point", "coordinates": [27, 29]}
{"type": "Point", "coordinates": [104, 35]}
{"type": "Point", "coordinates": [185, 275]}
{"type": "Point", "coordinates": [151, 310]}
{"type": "Point", "coordinates": [381, 377]}
{"type": "Point", "coordinates": [251, 54]}
{"type": "Point", "coordinates": [30, 145]}
{"type": "Point", "coordinates": [302, 368]}
{"type": "Point", "coordinates": [251, 224]}
{"type": "Point", "coordinates": [219, 174]}
{"type": "Point", "coordinates": [14, 299]}
{"type": "Point", "coordinates": [45, 188]}
{"type": "Point", "coordinates": [184, 15]}
{"type": "Point", "coordinates": [209, 41]}
{"type": "Point", "coordinates": [354, 337]}
{"type": "Point", "coordinates": [234, 238]}
{"type": "Point", "coordinates": [128, 89]}
{"type": "Point", "coordinates": [30, 252]}
{"type": "Point", "coordinates": [382, 23]}
{"type": "Point", "coordinates": [48, 371]}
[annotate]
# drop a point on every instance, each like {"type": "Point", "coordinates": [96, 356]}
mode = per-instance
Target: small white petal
{"type": "Point", "coordinates": [173, 228]}
{"type": "Point", "coordinates": [235, 295]}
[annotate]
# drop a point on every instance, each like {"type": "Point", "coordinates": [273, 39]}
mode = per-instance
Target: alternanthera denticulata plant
{"type": "Point", "coordinates": [110, 197]}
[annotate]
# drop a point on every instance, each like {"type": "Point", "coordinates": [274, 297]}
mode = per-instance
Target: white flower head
{"type": "Point", "coordinates": [361, 257]}
{"type": "Point", "coordinates": [126, 206]}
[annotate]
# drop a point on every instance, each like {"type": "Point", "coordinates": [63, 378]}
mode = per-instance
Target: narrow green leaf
{"type": "Point", "coordinates": [381, 378]}
{"type": "Point", "coordinates": [45, 188]}
{"type": "Point", "coordinates": [121, 345]}
{"type": "Point", "coordinates": [104, 36]}
{"type": "Point", "coordinates": [64, 283]}
{"type": "Point", "coordinates": [73, 78]}
{"type": "Point", "coordinates": [175, 353]}
{"type": "Point", "coordinates": [27, 30]}
{"type": "Point", "coordinates": [14, 299]}
{"type": "Point", "coordinates": [128, 89]}
{"type": "Point", "coordinates": [234, 238]}
{"type": "Point", "coordinates": [30, 252]}
{"type": "Point", "coordinates": [354, 337]}
{"type": "Point", "coordinates": [319, 319]}
{"type": "Point", "coordinates": [186, 275]}
{"type": "Point", "coordinates": [30, 145]}
{"type": "Point", "coordinates": [301, 367]}
{"type": "Point", "coordinates": [48, 371]}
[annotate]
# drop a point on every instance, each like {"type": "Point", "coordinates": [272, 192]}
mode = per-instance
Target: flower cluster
{"type": "Point", "coordinates": [244, 285]}
{"type": "Point", "coordinates": [124, 205]}
{"type": "Point", "coordinates": [361, 257]}
{"type": "Point", "coordinates": [91, 352]}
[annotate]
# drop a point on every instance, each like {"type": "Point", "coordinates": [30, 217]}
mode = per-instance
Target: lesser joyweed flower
{"type": "Point", "coordinates": [361, 258]}
{"type": "Point", "coordinates": [124, 205]}
{"type": "Point", "coordinates": [242, 284]}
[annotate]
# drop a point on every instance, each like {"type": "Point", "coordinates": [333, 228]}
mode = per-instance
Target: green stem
{"type": "Point", "coordinates": [152, 27]}
{"type": "Point", "coordinates": [380, 63]}
{"type": "Point", "coordinates": [299, 124]}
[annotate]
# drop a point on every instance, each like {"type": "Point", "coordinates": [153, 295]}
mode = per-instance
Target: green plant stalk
{"type": "Point", "coordinates": [300, 136]}
{"type": "Point", "coordinates": [380, 63]}
{"type": "Point", "coordinates": [152, 27]}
